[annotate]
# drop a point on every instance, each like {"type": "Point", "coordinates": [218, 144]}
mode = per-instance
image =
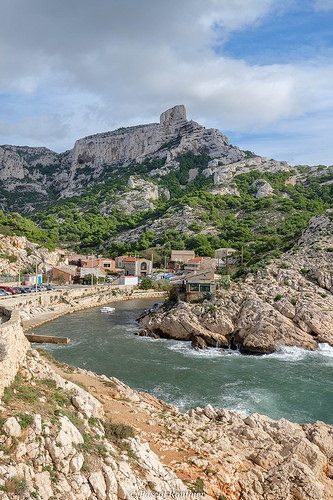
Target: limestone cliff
{"type": "Point", "coordinates": [39, 173]}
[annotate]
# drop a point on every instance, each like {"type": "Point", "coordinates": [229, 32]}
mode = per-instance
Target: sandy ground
{"type": "Point", "coordinates": [138, 415]}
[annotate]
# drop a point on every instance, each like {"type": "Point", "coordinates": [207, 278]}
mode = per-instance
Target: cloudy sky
{"type": "Point", "coordinates": [261, 71]}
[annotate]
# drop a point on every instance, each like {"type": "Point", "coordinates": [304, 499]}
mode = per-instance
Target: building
{"type": "Point", "coordinates": [198, 284]}
{"type": "Point", "coordinates": [96, 271]}
{"type": "Point", "coordinates": [109, 265]}
{"type": "Point", "coordinates": [199, 263]}
{"type": "Point", "coordinates": [103, 264]}
{"type": "Point", "coordinates": [127, 280]}
{"type": "Point", "coordinates": [76, 259]}
{"type": "Point", "coordinates": [180, 257]}
{"type": "Point", "coordinates": [31, 279]}
{"type": "Point", "coordinates": [120, 261]}
{"type": "Point", "coordinates": [221, 253]}
{"type": "Point", "coordinates": [64, 273]}
{"type": "Point", "coordinates": [135, 266]}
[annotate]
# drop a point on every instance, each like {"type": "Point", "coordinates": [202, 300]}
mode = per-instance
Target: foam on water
{"type": "Point", "coordinates": [325, 350]}
{"type": "Point", "coordinates": [292, 353]}
{"type": "Point", "coordinates": [185, 348]}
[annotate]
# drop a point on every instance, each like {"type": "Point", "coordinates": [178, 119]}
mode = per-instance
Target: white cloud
{"type": "Point", "coordinates": [89, 66]}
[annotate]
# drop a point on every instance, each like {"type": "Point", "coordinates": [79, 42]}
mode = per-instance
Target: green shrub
{"type": "Point", "coordinates": [278, 297]}
{"type": "Point", "coordinates": [146, 284]}
{"type": "Point", "coordinates": [198, 486]}
{"type": "Point", "coordinates": [120, 431]}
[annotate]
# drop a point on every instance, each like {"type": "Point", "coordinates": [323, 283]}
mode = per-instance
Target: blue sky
{"type": "Point", "coordinates": [261, 71]}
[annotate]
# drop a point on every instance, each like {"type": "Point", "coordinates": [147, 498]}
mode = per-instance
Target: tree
{"type": "Point", "coordinates": [146, 284]}
{"type": "Point", "coordinates": [90, 279]}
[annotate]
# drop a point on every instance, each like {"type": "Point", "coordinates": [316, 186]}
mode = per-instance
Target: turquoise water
{"type": "Point", "coordinates": [292, 383]}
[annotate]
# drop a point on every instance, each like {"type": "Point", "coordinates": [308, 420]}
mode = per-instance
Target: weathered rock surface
{"type": "Point", "coordinates": [239, 457]}
{"type": "Point", "coordinates": [26, 253]}
{"type": "Point", "coordinates": [262, 188]}
{"type": "Point", "coordinates": [289, 303]}
{"type": "Point", "coordinates": [52, 457]}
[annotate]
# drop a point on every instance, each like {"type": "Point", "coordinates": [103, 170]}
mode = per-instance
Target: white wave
{"type": "Point", "coordinates": [292, 353]}
{"type": "Point", "coordinates": [187, 350]}
{"type": "Point", "coordinates": [287, 353]}
{"type": "Point", "coordinates": [325, 350]}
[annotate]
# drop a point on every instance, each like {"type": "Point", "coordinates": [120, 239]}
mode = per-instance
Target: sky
{"type": "Point", "coordinates": [261, 71]}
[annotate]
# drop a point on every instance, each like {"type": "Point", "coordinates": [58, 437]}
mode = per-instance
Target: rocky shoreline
{"type": "Point", "coordinates": [284, 301]}
{"type": "Point", "coordinates": [70, 434]}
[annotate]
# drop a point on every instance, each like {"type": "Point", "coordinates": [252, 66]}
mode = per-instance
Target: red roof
{"type": "Point", "coordinates": [196, 259]}
{"type": "Point", "coordinates": [131, 259]}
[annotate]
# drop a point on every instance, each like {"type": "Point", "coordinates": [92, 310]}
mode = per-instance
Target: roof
{"type": "Point", "coordinates": [135, 259]}
{"type": "Point", "coordinates": [182, 252]}
{"type": "Point", "coordinates": [199, 276]}
{"type": "Point", "coordinates": [66, 269]}
{"type": "Point", "coordinates": [197, 259]}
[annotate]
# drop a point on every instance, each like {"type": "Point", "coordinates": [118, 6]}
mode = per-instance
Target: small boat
{"type": "Point", "coordinates": [107, 309]}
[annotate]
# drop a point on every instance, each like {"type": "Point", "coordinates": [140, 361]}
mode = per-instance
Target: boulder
{"type": "Point", "coordinates": [12, 427]}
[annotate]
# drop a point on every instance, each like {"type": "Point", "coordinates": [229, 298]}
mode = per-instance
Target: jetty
{"type": "Point", "coordinates": [42, 339]}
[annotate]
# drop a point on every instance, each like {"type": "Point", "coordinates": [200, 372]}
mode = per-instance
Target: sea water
{"type": "Point", "coordinates": [292, 383]}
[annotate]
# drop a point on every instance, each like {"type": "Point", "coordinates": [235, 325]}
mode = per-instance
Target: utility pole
{"type": "Point", "coordinates": [152, 262]}
{"type": "Point", "coordinates": [36, 278]}
{"type": "Point", "coordinates": [242, 256]}
{"type": "Point", "coordinates": [226, 262]}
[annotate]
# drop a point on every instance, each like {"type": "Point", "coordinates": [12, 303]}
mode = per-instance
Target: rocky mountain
{"type": "Point", "coordinates": [285, 301]}
{"type": "Point", "coordinates": [168, 184]}
{"type": "Point", "coordinates": [39, 173]}
{"type": "Point", "coordinates": [35, 177]}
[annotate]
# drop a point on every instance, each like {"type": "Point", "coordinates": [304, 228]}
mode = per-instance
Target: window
{"type": "Point", "coordinates": [143, 266]}
{"type": "Point", "coordinates": [205, 288]}
{"type": "Point", "coordinates": [193, 287]}
{"type": "Point", "coordinates": [106, 264]}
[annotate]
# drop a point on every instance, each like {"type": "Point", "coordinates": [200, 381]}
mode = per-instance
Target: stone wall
{"type": "Point", "coordinates": [13, 347]}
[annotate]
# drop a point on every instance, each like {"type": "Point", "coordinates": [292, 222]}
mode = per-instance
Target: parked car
{"type": "Point", "coordinates": [4, 292]}
{"type": "Point", "coordinates": [9, 289]}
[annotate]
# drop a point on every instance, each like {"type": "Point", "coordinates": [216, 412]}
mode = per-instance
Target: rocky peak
{"type": "Point", "coordinates": [172, 119]}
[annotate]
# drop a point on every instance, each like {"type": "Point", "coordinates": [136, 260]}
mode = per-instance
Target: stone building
{"type": "Point", "coordinates": [198, 284]}
{"type": "Point", "coordinates": [135, 266]}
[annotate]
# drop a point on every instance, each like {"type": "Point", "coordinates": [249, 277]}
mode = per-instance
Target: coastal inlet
{"type": "Point", "coordinates": [292, 383]}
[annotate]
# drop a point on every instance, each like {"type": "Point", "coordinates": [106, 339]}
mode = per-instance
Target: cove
{"type": "Point", "coordinates": [291, 383]}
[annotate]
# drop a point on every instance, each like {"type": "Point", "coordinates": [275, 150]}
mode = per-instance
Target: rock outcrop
{"type": "Point", "coordinates": [18, 253]}
{"type": "Point", "coordinates": [60, 444]}
{"type": "Point", "coordinates": [68, 451]}
{"type": "Point", "coordinates": [288, 302]}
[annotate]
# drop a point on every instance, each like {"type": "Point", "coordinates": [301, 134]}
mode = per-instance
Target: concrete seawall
{"type": "Point", "coordinates": [24, 312]}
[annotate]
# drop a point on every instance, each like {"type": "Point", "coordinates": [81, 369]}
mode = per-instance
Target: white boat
{"type": "Point", "coordinates": [107, 309]}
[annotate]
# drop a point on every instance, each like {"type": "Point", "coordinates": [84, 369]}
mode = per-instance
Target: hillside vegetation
{"type": "Point", "coordinates": [152, 188]}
